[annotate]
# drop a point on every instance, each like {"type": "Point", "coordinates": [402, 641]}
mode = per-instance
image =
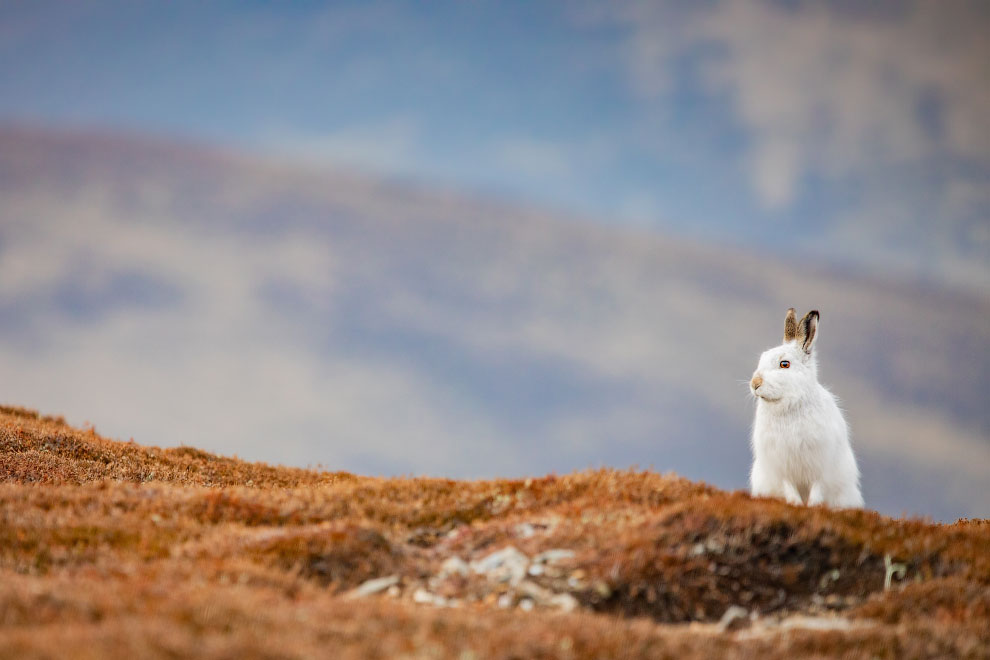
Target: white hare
{"type": "Point", "coordinates": [801, 449]}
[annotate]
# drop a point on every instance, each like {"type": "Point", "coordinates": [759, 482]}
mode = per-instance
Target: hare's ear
{"type": "Point", "coordinates": [790, 326]}
{"type": "Point", "coordinates": [808, 330]}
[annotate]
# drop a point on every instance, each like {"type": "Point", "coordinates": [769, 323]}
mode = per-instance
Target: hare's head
{"type": "Point", "coordinates": [787, 371]}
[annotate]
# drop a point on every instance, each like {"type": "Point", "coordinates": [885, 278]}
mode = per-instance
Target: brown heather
{"type": "Point", "coordinates": [111, 549]}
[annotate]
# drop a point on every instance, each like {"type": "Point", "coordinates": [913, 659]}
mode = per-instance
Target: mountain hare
{"type": "Point", "coordinates": [801, 449]}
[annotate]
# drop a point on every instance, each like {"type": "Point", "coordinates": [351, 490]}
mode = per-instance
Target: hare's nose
{"type": "Point", "coordinates": [756, 382]}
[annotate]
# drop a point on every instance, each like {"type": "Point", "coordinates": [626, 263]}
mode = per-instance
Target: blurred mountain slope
{"type": "Point", "coordinates": [181, 294]}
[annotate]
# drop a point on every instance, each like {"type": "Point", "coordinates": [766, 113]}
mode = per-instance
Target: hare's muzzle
{"type": "Point", "coordinates": [756, 382]}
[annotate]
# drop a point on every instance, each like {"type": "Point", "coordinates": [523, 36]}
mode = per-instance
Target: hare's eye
{"type": "Point", "coordinates": [785, 364]}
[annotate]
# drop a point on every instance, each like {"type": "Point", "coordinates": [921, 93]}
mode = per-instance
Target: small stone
{"type": "Point", "coordinates": [534, 591]}
{"type": "Point", "coordinates": [370, 587]}
{"type": "Point", "coordinates": [423, 596]}
{"type": "Point", "coordinates": [525, 531]}
{"type": "Point", "coordinates": [831, 576]}
{"type": "Point", "coordinates": [505, 601]}
{"type": "Point", "coordinates": [526, 604]}
{"type": "Point", "coordinates": [536, 570]}
{"type": "Point", "coordinates": [734, 618]}
{"type": "Point", "coordinates": [454, 566]}
{"type": "Point", "coordinates": [553, 556]}
{"type": "Point", "coordinates": [819, 623]}
{"type": "Point", "coordinates": [505, 565]}
{"type": "Point", "coordinates": [715, 547]}
{"type": "Point", "coordinates": [565, 602]}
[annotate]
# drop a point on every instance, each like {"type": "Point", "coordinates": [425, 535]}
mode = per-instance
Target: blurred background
{"type": "Point", "coordinates": [475, 239]}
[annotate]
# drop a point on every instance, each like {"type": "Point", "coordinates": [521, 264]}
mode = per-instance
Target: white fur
{"type": "Point", "coordinates": [801, 449]}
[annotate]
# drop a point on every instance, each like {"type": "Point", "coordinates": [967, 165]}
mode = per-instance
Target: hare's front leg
{"type": "Point", "coordinates": [764, 485]}
{"type": "Point", "coordinates": [816, 495]}
{"type": "Point", "coordinates": [760, 483]}
{"type": "Point", "coordinates": [791, 493]}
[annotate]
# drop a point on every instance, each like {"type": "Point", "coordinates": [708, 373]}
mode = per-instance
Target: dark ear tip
{"type": "Point", "coordinates": [814, 313]}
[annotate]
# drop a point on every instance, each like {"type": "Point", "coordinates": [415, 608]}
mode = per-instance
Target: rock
{"type": "Point", "coordinates": [565, 602]}
{"type": "Point", "coordinates": [734, 618]}
{"type": "Point", "coordinates": [827, 578]}
{"type": "Point", "coordinates": [454, 566]}
{"type": "Point", "coordinates": [819, 623]}
{"type": "Point", "coordinates": [534, 591]}
{"type": "Point", "coordinates": [539, 596]}
{"type": "Point", "coordinates": [768, 627]}
{"type": "Point", "coordinates": [370, 587]}
{"type": "Point", "coordinates": [525, 530]}
{"type": "Point", "coordinates": [505, 601]}
{"type": "Point", "coordinates": [553, 556]}
{"type": "Point", "coordinates": [714, 547]}
{"type": "Point", "coordinates": [526, 604]}
{"type": "Point", "coordinates": [505, 565]}
{"type": "Point", "coordinates": [425, 597]}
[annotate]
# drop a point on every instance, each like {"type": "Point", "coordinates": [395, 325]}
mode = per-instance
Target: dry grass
{"type": "Point", "coordinates": [113, 549]}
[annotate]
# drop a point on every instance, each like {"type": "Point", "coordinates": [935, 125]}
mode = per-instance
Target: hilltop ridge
{"type": "Point", "coordinates": [111, 548]}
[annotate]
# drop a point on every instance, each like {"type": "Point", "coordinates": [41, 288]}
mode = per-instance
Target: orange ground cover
{"type": "Point", "coordinates": [111, 549]}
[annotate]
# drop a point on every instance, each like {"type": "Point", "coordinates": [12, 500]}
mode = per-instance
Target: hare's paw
{"type": "Point", "coordinates": [816, 495]}
{"type": "Point", "coordinates": [790, 493]}
{"type": "Point", "coordinates": [851, 498]}
{"type": "Point", "coordinates": [763, 485]}
{"type": "Point", "coordinates": [760, 484]}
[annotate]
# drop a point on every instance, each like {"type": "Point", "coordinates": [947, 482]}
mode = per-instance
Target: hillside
{"type": "Point", "coordinates": [111, 549]}
{"type": "Point", "coordinates": [181, 294]}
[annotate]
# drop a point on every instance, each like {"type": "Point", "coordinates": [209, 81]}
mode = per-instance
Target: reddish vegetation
{"type": "Point", "coordinates": [113, 549]}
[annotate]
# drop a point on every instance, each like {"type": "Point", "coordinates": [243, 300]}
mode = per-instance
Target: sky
{"type": "Point", "coordinates": [856, 134]}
